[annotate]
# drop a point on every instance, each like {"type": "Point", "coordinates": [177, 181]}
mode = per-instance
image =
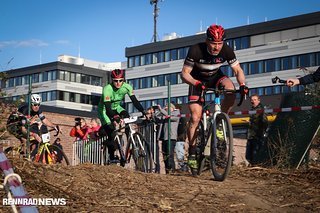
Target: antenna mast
{"type": "Point", "coordinates": [155, 15]}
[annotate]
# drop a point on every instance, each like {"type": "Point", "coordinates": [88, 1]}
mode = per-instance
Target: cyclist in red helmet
{"type": "Point", "coordinates": [110, 110]}
{"type": "Point", "coordinates": [201, 69]}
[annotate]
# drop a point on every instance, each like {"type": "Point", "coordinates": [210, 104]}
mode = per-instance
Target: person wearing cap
{"type": "Point", "coordinates": [201, 69]}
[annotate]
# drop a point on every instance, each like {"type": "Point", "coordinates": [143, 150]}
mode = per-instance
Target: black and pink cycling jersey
{"type": "Point", "coordinates": [204, 65]}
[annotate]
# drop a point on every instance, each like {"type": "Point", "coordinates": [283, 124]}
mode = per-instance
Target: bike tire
{"type": "Point", "coordinates": [120, 142]}
{"type": "Point", "coordinates": [141, 155]}
{"type": "Point", "coordinates": [59, 155]}
{"type": "Point", "coordinates": [200, 143]}
{"type": "Point", "coordinates": [105, 156]}
{"type": "Point", "coordinates": [204, 159]}
{"type": "Point", "coordinates": [221, 150]}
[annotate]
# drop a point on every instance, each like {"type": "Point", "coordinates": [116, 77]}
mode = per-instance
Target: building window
{"type": "Point", "coordinates": [245, 69]}
{"type": "Point", "coordinates": [181, 53]}
{"type": "Point", "coordinates": [35, 78]}
{"type": "Point", "coordinates": [154, 58]}
{"type": "Point", "coordinates": [276, 90]}
{"type": "Point", "coordinates": [161, 80]}
{"type": "Point", "coordinates": [245, 42]}
{"type": "Point", "coordinates": [44, 96]}
{"type": "Point", "coordinates": [11, 82]}
{"type": "Point", "coordinates": [45, 76]}
{"type": "Point", "coordinates": [18, 81]}
{"type": "Point", "coordinates": [174, 78]}
{"type": "Point", "coordinates": [268, 91]}
{"type": "Point", "coordinates": [131, 62]}
{"type": "Point", "coordinates": [167, 55]}
{"type": "Point", "coordinates": [142, 60]}
{"type": "Point", "coordinates": [137, 61]}
{"type": "Point", "coordinates": [253, 68]}
{"type": "Point", "coordinates": [270, 65]}
{"type": "Point", "coordinates": [85, 79]}
{"type": "Point", "coordinates": [160, 57]}
{"type": "Point", "coordinates": [174, 55]}
{"type": "Point", "coordinates": [148, 59]}
{"type": "Point", "coordinates": [96, 81]}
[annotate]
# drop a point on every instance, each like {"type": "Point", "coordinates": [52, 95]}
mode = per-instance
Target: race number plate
{"type": "Point", "coordinates": [45, 137]}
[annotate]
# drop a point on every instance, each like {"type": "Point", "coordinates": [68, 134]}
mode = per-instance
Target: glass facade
{"type": "Point", "coordinates": [52, 75]}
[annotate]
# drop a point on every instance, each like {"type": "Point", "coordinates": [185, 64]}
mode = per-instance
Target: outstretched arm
{"type": "Point", "coordinates": [307, 79]}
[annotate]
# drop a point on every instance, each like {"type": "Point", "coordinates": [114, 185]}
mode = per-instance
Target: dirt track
{"type": "Point", "coordinates": [92, 188]}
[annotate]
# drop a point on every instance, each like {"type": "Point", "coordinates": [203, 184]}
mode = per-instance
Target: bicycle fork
{"type": "Point", "coordinates": [42, 151]}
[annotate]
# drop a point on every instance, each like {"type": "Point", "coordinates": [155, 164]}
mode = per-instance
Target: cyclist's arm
{"type": "Point", "coordinates": [48, 123]}
{"type": "Point", "coordinates": [186, 75]}
{"type": "Point", "coordinates": [238, 72]}
{"type": "Point", "coordinates": [136, 103]}
{"type": "Point", "coordinates": [110, 113]}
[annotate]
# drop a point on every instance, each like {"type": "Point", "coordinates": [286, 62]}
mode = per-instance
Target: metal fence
{"type": "Point", "coordinates": [91, 150]}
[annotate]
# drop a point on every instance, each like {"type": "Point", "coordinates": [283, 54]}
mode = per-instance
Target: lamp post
{"type": "Point", "coordinates": [169, 121]}
{"type": "Point", "coordinates": [29, 112]}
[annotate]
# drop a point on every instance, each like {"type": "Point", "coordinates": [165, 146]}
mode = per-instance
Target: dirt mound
{"type": "Point", "coordinates": [93, 188]}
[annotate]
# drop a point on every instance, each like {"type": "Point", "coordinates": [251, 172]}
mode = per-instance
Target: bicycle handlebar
{"type": "Point", "coordinates": [57, 132]}
{"type": "Point", "coordinates": [220, 91]}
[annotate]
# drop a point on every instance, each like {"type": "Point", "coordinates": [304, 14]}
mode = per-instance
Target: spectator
{"type": "Point", "coordinates": [174, 117]}
{"type": "Point", "coordinates": [307, 79]}
{"type": "Point", "coordinates": [180, 144]}
{"type": "Point", "coordinates": [150, 112]}
{"type": "Point", "coordinates": [79, 131]}
{"type": "Point", "coordinates": [258, 124]}
{"type": "Point", "coordinates": [93, 131]}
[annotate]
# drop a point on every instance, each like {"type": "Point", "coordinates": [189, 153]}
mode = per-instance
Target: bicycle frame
{"type": "Point", "coordinates": [213, 148]}
{"type": "Point", "coordinates": [132, 131]}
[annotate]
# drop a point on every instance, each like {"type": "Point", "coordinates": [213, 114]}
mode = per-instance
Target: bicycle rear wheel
{"type": "Point", "coordinates": [105, 154]}
{"type": "Point", "coordinates": [200, 143]}
{"type": "Point", "coordinates": [141, 153]}
{"type": "Point", "coordinates": [221, 149]}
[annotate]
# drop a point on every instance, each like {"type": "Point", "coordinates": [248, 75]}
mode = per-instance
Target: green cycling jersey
{"type": "Point", "coordinates": [115, 97]}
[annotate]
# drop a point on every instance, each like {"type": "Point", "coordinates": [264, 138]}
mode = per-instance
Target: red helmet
{"type": "Point", "coordinates": [117, 73]}
{"type": "Point", "coordinates": [216, 33]}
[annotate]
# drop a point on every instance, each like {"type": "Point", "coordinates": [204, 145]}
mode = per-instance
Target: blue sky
{"type": "Point", "coordinates": [34, 31]}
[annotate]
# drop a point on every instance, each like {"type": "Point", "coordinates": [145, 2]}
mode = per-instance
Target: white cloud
{"type": "Point", "coordinates": [62, 42]}
{"type": "Point", "coordinates": [25, 43]}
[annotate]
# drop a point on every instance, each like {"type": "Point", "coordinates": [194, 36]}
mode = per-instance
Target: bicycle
{"type": "Point", "coordinates": [217, 149]}
{"type": "Point", "coordinates": [136, 147]}
{"type": "Point", "coordinates": [47, 153]}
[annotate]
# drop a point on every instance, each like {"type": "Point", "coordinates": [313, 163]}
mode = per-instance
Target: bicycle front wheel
{"type": "Point", "coordinates": [58, 156]}
{"type": "Point", "coordinates": [221, 150]}
{"type": "Point", "coordinates": [141, 153]}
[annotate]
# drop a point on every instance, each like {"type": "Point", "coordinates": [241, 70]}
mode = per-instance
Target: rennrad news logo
{"type": "Point", "coordinates": [34, 201]}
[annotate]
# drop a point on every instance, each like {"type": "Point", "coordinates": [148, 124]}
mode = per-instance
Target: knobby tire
{"type": "Point", "coordinates": [221, 151]}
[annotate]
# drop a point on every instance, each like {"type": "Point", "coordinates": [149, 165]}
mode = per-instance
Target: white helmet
{"type": "Point", "coordinates": [35, 99]}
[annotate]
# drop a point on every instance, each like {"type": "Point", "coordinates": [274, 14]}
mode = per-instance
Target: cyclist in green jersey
{"type": "Point", "coordinates": [110, 110]}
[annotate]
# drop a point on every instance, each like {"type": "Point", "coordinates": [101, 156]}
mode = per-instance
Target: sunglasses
{"type": "Point", "coordinates": [121, 80]}
{"type": "Point", "coordinates": [35, 104]}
